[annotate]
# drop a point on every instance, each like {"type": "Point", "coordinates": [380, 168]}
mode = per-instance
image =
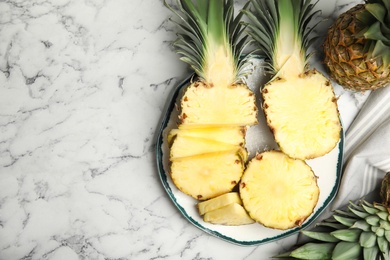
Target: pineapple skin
{"type": "Point", "coordinates": [346, 58]}
{"type": "Point", "coordinates": [277, 191]}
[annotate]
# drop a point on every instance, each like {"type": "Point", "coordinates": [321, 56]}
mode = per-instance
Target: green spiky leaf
{"type": "Point", "coordinates": [282, 31]}
{"type": "Point", "coordinates": [210, 34]}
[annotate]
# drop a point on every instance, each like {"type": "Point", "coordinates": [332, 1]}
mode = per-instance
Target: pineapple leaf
{"type": "Point", "coordinates": [377, 11]}
{"type": "Point", "coordinates": [210, 40]}
{"type": "Point", "coordinates": [374, 33]}
{"type": "Point", "coordinates": [349, 235]}
{"type": "Point", "coordinates": [370, 253]}
{"type": "Point", "coordinates": [367, 239]}
{"type": "Point", "coordinates": [281, 30]}
{"type": "Point", "coordinates": [346, 250]}
{"type": "Point", "coordinates": [345, 221]}
{"type": "Point", "coordinates": [321, 236]}
{"type": "Point", "coordinates": [314, 251]}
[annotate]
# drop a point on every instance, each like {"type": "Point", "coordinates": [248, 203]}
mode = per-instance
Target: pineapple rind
{"type": "Point", "coordinates": [303, 115]}
{"type": "Point", "coordinates": [231, 215]}
{"type": "Point", "coordinates": [278, 191]}
{"type": "Point", "coordinates": [208, 175]}
{"type": "Point", "coordinates": [218, 202]}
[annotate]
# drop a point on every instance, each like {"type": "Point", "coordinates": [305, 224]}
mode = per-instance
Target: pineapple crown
{"type": "Point", "coordinates": [281, 30]}
{"type": "Point", "coordinates": [376, 20]}
{"type": "Point", "coordinates": [210, 40]}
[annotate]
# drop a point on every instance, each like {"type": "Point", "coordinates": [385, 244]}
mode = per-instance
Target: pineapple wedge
{"type": "Point", "coordinates": [231, 135]}
{"type": "Point", "coordinates": [181, 145]}
{"type": "Point", "coordinates": [218, 202]}
{"type": "Point", "coordinates": [208, 175]}
{"type": "Point", "coordinates": [231, 215]}
{"type": "Point", "coordinates": [278, 191]}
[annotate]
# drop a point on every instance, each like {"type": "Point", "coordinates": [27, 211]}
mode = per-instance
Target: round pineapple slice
{"type": "Point", "coordinates": [278, 191]}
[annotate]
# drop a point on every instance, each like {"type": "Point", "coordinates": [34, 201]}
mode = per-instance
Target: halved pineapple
{"type": "Point", "coordinates": [302, 114]}
{"type": "Point", "coordinates": [208, 175]}
{"type": "Point", "coordinates": [299, 103]}
{"type": "Point", "coordinates": [278, 191]}
{"type": "Point", "coordinates": [218, 202]}
{"type": "Point", "coordinates": [231, 135]}
{"type": "Point", "coordinates": [231, 215]}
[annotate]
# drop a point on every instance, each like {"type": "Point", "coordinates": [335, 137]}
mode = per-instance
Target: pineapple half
{"type": "Point", "coordinates": [299, 104]}
{"type": "Point", "coordinates": [207, 157]}
{"type": "Point", "coordinates": [357, 46]}
{"type": "Point", "coordinates": [278, 191]}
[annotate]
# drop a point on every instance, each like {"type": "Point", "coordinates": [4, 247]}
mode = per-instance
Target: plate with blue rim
{"type": "Point", "coordinates": [259, 138]}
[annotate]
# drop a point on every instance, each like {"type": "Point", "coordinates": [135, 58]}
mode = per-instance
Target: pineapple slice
{"type": "Point", "coordinates": [231, 215]}
{"type": "Point", "coordinates": [231, 135]}
{"type": "Point", "coordinates": [208, 175]}
{"type": "Point", "coordinates": [184, 146]}
{"type": "Point", "coordinates": [218, 202]}
{"type": "Point", "coordinates": [202, 104]}
{"type": "Point", "coordinates": [278, 191]}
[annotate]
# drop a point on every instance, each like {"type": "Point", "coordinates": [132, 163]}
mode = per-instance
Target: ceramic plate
{"type": "Point", "coordinates": [259, 138]}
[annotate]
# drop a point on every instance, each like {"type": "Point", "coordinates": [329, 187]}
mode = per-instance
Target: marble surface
{"type": "Point", "coordinates": [83, 85]}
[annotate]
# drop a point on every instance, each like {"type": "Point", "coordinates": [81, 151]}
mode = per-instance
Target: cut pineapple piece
{"type": "Point", "coordinates": [208, 175]}
{"type": "Point", "coordinates": [184, 146]}
{"type": "Point", "coordinates": [302, 113]}
{"type": "Point", "coordinates": [278, 191]}
{"type": "Point", "coordinates": [231, 215]}
{"type": "Point", "coordinates": [219, 202]}
{"type": "Point", "coordinates": [231, 135]}
{"type": "Point", "coordinates": [234, 105]}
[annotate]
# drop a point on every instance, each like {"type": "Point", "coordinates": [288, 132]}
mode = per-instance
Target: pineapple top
{"type": "Point", "coordinates": [376, 29]}
{"type": "Point", "coordinates": [280, 27]}
{"type": "Point", "coordinates": [210, 40]}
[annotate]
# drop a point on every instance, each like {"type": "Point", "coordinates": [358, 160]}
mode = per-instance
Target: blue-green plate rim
{"type": "Point", "coordinates": [163, 177]}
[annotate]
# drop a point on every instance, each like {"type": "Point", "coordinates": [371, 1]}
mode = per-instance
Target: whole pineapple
{"type": "Point", "coordinates": [360, 232]}
{"type": "Point", "coordinates": [357, 47]}
{"type": "Point", "coordinates": [207, 150]}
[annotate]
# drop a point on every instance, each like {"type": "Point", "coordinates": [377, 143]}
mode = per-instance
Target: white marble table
{"type": "Point", "coordinates": [82, 89]}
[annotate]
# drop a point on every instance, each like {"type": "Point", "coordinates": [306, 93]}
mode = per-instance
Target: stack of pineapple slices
{"type": "Point", "coordinates": [207, 150]}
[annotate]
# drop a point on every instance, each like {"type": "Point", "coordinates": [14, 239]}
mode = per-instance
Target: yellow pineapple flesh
{"type": "Point", "coordinates": [184, 146]}
{"type": "Point", "coordinates": [218, 202]}
{"type": "Point", "coordinates": [208, 175]}
{"type": "Point", "coordinates": [278, 191]}
{"type": "Point", "coordinates": [231, 135]}
{"type": "Point", "coordinates": [302, 114]}
{"type": "Point", "coordinates": [232, 105]}
{"type": "Point", "coordinates": [231, 215]}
